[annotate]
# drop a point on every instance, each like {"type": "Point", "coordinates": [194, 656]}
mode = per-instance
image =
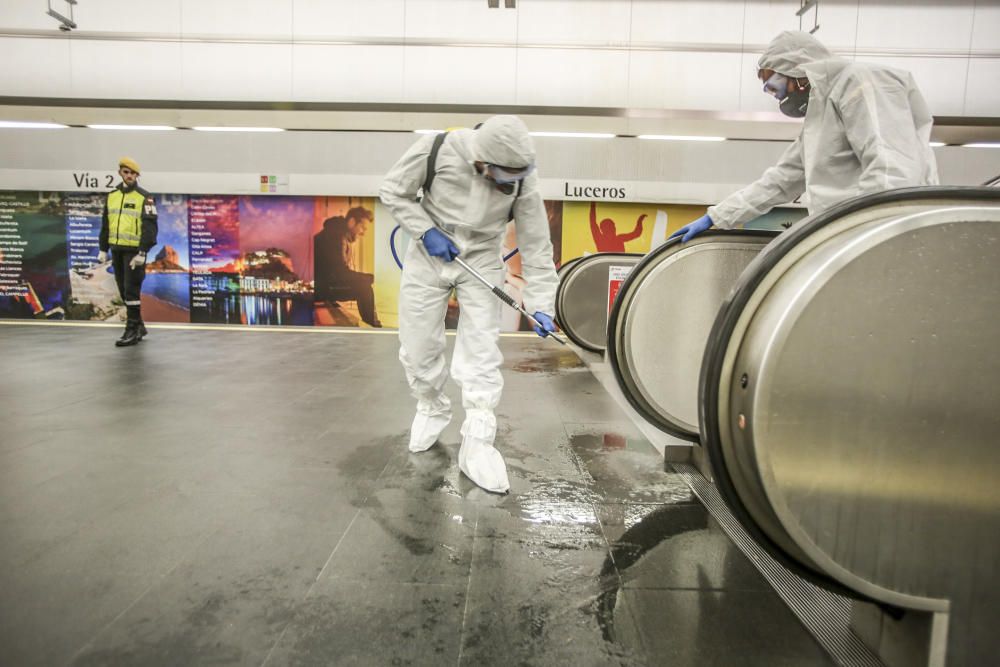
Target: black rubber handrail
{"type": "Point", "coordinates": [722, 330]}
{"type": "Point", "coordinates": [614, 359]}
{"type": "Point", "coordinates": [570, 268]}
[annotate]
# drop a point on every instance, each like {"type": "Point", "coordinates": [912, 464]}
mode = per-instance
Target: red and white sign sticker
{"type": "Point", "coordinates": [616, 276]}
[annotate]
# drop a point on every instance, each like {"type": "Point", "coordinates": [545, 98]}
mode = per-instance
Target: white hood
{"type": "Point", "coordinates": [505, 142]}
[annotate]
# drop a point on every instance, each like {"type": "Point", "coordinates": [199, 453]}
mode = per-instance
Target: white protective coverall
{"type": "Point", "coordinates": [474, 214]}
{"type": "Point", "coordinates": [867, 129]}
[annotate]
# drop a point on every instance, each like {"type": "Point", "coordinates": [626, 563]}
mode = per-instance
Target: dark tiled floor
{"type": "Point", "coordinates": [246, 497]}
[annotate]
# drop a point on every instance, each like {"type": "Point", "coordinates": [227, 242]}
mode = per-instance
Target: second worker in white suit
{"type": "Point", "coordinates": [478, 180]}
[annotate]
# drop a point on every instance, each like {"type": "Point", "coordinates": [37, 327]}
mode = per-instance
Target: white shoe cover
{"type": "Point", "coordinates": [477, 458]}
{"type": "Point", "coordinates": [431, 418]}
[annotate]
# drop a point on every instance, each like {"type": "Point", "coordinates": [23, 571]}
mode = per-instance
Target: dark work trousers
{"type": "Point", "coordinates": [129, 281]}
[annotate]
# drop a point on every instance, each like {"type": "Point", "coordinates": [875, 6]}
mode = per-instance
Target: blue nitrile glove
{"type": "Point", "coordinates": [439, 245]}
{"type": "Point", "coordinates": [692, 229]}
{"type": "Point", "coordinates": [548, 326]}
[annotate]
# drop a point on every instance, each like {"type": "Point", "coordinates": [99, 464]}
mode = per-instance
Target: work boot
{"type": "Point", "coordinates": [131, 336]}
{"type": "Point", "coordinates": [433, 415]}
{"type": "Point", "coordinates": [142, 330]}
{"type": "Point", "coordinates": [477, 458]}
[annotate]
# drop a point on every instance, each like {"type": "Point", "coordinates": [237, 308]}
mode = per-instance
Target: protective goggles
{"type": "Point", "coordinates": [777, 85]}
{"type": "Point", "coordinates": [508, 175]}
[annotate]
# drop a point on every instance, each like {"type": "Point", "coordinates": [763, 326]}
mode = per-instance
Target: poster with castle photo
{"type": "Point", "coordinates": [275, 263]}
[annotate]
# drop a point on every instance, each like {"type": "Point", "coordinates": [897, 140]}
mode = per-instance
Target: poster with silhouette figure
{"type": "Point", "coordinates": [343, 244]}
{"type": "Point", "coordinates": [275, 263]}
{"type": "Point", "coordinates": [34, 281]}
{"type": "Point", "coordinates": [592, 227]}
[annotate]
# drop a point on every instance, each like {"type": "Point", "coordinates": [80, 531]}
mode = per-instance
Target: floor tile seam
{"type": "Point", "coordinates": [468, 592]}
{"type": "Point", "coordinates": [643, 646]}
{"type": "Point", "coordinates": [348, 579]}
{"type": "Point", "coordinates": [357, 513]}
{"type": "Point", "coordinates": [5, 452]}
{"type": "Point", "coordinates": [119, 502]}
{"type": "Point", "coordinates": [312, 587]}
{"type": "Point", "coordinates": [51, 409]}
{"type": "Point", "coordinates": [646, 503]}
{"type": "Point", "coordinates": [122, 501]}
{"type": "Point", "coordinates": [608, 545]}
{"type": "Point", "coordinates": [180, 560]}
{"type": "Point", "coordinates": [694, 589]}
{"type": "Point", "coordinates": [823, 614]}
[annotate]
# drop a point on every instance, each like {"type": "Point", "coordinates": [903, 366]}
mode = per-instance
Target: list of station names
{"type": "Point", "coordinates": [12, 245]}
{"type": "Point", "coordinates": [212, 224]}
{"type": "Point", "coordinates": [83, 229]}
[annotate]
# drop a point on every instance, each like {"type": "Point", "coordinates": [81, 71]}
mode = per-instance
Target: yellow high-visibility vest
{"type": "Point", "coordinates": [125, 217]}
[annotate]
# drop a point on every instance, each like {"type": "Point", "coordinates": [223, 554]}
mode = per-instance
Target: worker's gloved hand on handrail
{"type": "Point", "coordinates": [439, 245]}
{"type": "Point", "coordinates": [692, 229]}
{"type": "Point", "coordinates": [547, 325]}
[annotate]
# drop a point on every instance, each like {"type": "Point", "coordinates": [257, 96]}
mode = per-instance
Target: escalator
{"type": "Point", "coordinates": [848, 395]}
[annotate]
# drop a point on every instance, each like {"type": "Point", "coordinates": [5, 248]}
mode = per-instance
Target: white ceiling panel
{"type": "Point", "coordinates": [126, 70]}
{"type": "Point", "coordinates": [572, 77]}
{"type": "Point", "coordinates": [236, 72]}
{"type": "Point", "coordinates": [459, 75]}
{"type": "Point", "coordinates": [571, 21]}
{"type": "Point", "coordinates": [35, 67]}
{"type": "Point", "coordinates": [838, 24]}
{"type": "Point", "coordinates": [982, 95]}
{"type": "Point", "coordinates": [922, 26]}
{"type": "Point", "coordinates": [986, 26]}
{"type": "Point", "coordinates": [29, 15]}
{"type": "Point", "coordinates": [764, 19]}
{"type": "Point", "coordinates": [688, 21]}
{"type": "Point", "coordinates": [941, 80]}
{"type": "Point", "coordinates": [665, 80]}
{"type": "Point", "coordinates": [348, 18]}
{"type": "Point", "coordinates": [157, 16]}
{"type": "Point", "coordinates": [460, 21]}
{"type": "Point", "coordinates": [237, 18]}
{"type": "Point", "coordinates": [330, 73]}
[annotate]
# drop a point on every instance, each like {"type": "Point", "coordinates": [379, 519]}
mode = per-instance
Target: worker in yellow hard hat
{"type": "Point", "coordinates": [128, 231]}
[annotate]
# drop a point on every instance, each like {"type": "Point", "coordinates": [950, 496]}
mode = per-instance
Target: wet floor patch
{"type": "Point", "coordinates": [626, 468]}
{"type": "Point", "coordinates": [548, 361]}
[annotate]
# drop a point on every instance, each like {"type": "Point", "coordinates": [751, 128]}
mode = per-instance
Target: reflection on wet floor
{"type": "Point", "coordinates": [311, 536]}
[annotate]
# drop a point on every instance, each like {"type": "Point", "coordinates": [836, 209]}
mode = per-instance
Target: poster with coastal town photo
{"type": "Point", "coordinates": [166, 291]}
{"type": "Point", "coordinates": [275, 263]}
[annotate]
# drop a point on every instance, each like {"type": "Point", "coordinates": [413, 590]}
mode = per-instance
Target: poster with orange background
{"type": "Point", "coordinates": [591, 227]}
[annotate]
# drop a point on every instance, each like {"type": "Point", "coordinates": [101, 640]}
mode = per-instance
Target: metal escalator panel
{"type": "Point", "coordinates": [850, 402]}
{"type": "Point", "coordinates": [582, 297]}
{"type": "Point", "coordinates": [661, 320]}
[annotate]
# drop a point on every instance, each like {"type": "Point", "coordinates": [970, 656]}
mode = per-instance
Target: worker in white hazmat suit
{"type": "Point", "coordinates": [867, 129]}
{"type": "Point", "coordinates": [480, 178]}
